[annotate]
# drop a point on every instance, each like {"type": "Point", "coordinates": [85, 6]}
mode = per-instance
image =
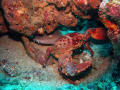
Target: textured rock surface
{"type": "Point", "coordinates": [110, 16]}
{"type": "Point", "coordinates": [28, 16]}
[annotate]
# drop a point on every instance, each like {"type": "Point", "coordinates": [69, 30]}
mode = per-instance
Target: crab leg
{"type": "Point", "coordinates": [34, 53]}
{"type": "Point", "coordinates": [46, 56]}
{"type": "Point", "coordinates": [88, 47]}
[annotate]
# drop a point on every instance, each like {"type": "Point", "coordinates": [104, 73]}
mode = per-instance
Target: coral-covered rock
{"type": "Point", "coordinates": [110, 16]}
{"type": "Point", "coordinates": [19, 15]}
{"type": "Point", "coordinates": [59, 3]}
{"type": "Point", "coordinates": [28, 16]}
{"type": "Point", "coordinates": [3, 28]}
{"type": "Point", "coordinates": [85, 8]}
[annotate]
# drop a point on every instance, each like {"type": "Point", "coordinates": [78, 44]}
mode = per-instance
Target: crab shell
{"type": "Point", "coordinates": [63, 48]}
{"type": "Point", "coordinates": [67, 43]}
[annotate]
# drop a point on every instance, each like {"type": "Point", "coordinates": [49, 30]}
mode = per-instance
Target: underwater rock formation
{"type": "Point", "coordinates": [110, 16]}
{"type": "Point", "coordinates": [28, 16]}
{"type": "Point", "coordinates": [3, 28]}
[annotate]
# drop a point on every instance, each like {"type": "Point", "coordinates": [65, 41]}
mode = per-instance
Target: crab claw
{"type": "Point", "coordinates": [98, 33]}
{"type": "Point", "coordinates": [83, 66]}
{"type": "Point", "coordinates": [69, 68]}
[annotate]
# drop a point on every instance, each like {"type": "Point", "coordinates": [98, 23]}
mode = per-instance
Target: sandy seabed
{"type": "Point", "coordinates": [33, 76]}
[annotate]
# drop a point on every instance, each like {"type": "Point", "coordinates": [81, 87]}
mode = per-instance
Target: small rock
{"type": "Point", "coordinates": [12, 69]}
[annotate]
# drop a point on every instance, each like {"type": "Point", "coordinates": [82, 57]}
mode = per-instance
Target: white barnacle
{"type": "Point", "coordinates": [81, 61]}
{"type": "Point", "coordinates": [87, 57]}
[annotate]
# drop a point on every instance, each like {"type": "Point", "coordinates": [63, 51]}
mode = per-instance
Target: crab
{"type": "Point", "coordinates": [64, 46]}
